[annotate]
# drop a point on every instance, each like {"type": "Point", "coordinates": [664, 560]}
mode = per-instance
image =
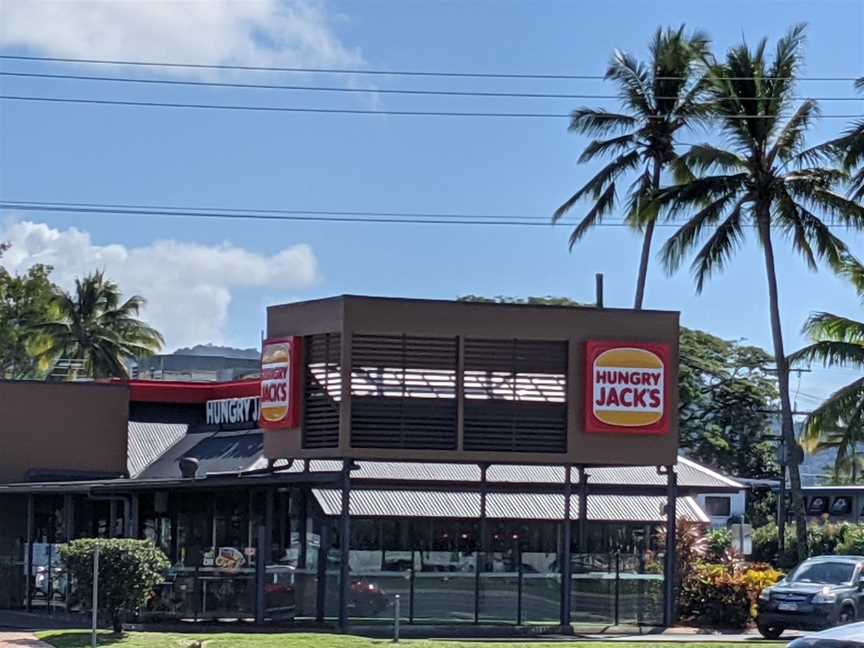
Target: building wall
{"type": "Point", "coordinates": [737, 507]}
{"type": "Point", "coordinates": [62, 428]}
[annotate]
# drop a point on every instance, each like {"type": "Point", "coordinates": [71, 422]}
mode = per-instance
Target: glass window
{"type": "Point", "coordinates": [817, 505]}
{"type": "Point", "coordinates": [841, 506]}
{"type": "Point", "coordinates": [718, 506]}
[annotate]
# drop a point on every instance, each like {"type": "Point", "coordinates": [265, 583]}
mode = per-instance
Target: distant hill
{"type": "Point", "coordinates": [219, 351]}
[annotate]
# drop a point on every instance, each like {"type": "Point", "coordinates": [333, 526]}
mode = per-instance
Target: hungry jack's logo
{"type": "Point", "coordinates": [281, 362]}
{"type": "Point", "coordinates": [626, 388]}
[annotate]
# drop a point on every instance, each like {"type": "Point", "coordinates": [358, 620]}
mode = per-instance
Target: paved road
{"type": "Point", "coordinates": [20, 640]}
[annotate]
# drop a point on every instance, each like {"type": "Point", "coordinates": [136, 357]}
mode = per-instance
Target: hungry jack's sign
{"type": "Point", "coordinates": [281, 378]}
{"type": "Point", "coordinates": [627, 388]}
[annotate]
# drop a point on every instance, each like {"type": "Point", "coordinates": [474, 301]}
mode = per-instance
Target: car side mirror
{"type": "Point", "coordinates": [861, 585]}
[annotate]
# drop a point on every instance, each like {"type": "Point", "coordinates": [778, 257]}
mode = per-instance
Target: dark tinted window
{"type": "Point", "coordinates": [718, 506]}
{"type": "Point", "coordinates": [834, 573]}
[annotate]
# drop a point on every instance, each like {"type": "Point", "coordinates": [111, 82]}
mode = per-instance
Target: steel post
{"type": "Point", "coordinates": [345, 547]}
{"type": "Point", "coordinates": [566, 538]}
{"type": "Point", "coordinates": [670, 570]}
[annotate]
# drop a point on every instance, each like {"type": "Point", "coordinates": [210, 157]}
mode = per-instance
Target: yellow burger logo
{"type": "Point", "coordinates": [628, 387]}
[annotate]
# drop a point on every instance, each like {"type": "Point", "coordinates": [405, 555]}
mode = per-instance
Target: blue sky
{"type": "Point", "coordinates": [238, 159]}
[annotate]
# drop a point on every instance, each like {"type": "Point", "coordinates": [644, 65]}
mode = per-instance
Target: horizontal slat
{"type": "Point", "coordinates": [322, 391]}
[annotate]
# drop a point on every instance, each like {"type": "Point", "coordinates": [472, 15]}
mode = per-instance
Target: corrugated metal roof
{"type": "Point", "coordinates": [690, 474]}
{"type": "Point", "coordinates": [521, 506]}
{"type": "Point", "coordinates": [149, 441]}
{"type": "Point", "coordinates": [384, 503]}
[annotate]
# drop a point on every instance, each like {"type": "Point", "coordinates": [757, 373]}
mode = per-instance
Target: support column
{"type": "Point", "coordinates": [583, 510]}
{"type": "Point", "coordinates": [263, 540]}
{"type": "Point", "coordinates": [566, 533]}
{"type": "Point", "coordinates": [482, 545]}
{"type": "Point", "coordinates": [269, 513]}
{"type": "Point", "coordinates": [670, 568]}
{"type": "Point", "coordinates": [345, 547]}
{"type": "Point", "coordinates": [28, 558]}
{"type": "Point", "coordinates": [112, 518]}
{"type": "Point", "coordinates": [321, 571]}
{"type": "Point", "coordinates": [133, 521]}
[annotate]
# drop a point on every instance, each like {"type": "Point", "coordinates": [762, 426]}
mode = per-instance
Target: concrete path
{"type": "Point", "coordinates": [16, 639]}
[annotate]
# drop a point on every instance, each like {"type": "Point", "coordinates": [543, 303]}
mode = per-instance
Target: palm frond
{"type": "Point", "coordinates": [791, 138]}
{"type": "Point", "coordinates": [634, 82]}
{"type": "Point", "coordinates": [603, 206]}
{"type": "Point", "coordinates": [719, 248]}
{"type": "Point", "coordinates": [830, 354]}
{"type": "Point", "coordinates": [597, 122]}
{"type": "Point", "coordinates": [599, 184]}
{"type": "Point", "coordinates": [837, 409]}
{"type": "Point", "coordinates": [827, 326]}
{"type": "Point", "coordinates": [685, 238]}
{"type": "Point", "coordinates": [611, 146]}
{"type": "Point", "coordinates": [705, 157]}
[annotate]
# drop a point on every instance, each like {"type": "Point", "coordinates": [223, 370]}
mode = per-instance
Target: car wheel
{"type": "Point", "coordinates": [771, 631]}
{"type": "Point", "coordinates": [847, 615]}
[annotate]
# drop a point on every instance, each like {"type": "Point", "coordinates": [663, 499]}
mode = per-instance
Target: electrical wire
{"type": "Point", "coordinates": [420, 73]}
{"type": "Point", "coordinates": [393, 91]}
{"type": "Point", "coordinates": [314, 215]}
{"type": "Point", "coordinates": [343, 111]}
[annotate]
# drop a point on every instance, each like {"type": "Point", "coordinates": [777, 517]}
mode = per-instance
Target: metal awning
{"type": "Point", "coordinates": [503, 506]}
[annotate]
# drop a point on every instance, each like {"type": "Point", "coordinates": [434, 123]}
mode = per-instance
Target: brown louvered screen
{"type": "Point", "coordinates": [403, 392]}
{"type": "Point", "coordinates": [515, 393]}
{"type": "Point", "coordinates": [323, 391]}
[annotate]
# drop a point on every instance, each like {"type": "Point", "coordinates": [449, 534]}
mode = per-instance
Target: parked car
{"type": "Point", "coordinates": [840, 637]}
{"type": "Point", "coordinates": [821, 592]}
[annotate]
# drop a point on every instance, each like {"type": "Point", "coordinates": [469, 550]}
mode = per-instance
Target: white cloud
{"type": "Point", "coordinates": [245, 32]}
{"type": "Point", "coordinates": [188, 286]}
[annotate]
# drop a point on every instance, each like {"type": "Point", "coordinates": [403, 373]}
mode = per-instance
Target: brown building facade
{"type": "Point", "coordinates": [400, 379]}
{"type": "Point", "coordinates": [62, 430]}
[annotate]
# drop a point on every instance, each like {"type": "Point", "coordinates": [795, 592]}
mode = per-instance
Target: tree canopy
{"type": "Point", "coordinates": [93, 330]}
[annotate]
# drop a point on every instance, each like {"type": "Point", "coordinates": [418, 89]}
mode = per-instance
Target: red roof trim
{"type": "Point", "coordinates": [165, 391]}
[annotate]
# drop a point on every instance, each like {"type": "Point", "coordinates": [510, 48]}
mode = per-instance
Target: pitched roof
{"type": "Point", "coordinates": [149, 441]}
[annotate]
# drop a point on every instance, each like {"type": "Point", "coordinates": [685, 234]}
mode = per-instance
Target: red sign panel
{"type": "Point", "coordinates": [627, 387]}
{"type": "Point", "coordinates": [281, 380]}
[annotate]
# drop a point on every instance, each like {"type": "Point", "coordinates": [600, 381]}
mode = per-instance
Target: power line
{"type": "Point", "coordinates": [311, 215]}
{"type": "Point", "coordinates": [343, 111]}
{"type": "Point", "coordinates": [268, 86]}
{"type": "Point", "coordinates": [393, 91]}
{"type": "Point", "coordinates": [420, 73]}
{"type": "Point", "coordinates": [319, 212]}
{"type": "Point", "coordinates": [292, 215]}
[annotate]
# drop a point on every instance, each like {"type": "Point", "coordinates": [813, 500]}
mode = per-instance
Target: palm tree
{"type": "Point", "coordinates": [94, 328]}
{"type": "Point", "coordinates": [659, 98]}
{"type": "Point", "coordinates": [838, 423]}
{"type": "Point", "coordinates": [764, 178]}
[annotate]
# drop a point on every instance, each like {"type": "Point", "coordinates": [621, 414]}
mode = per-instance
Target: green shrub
{"type": "Point", "coordinates": [712, 596]}
{"type": "Point", "coordinates": [724, 595]}
{"type": "Point", "coordinates": [128, 572]}
{"type": "Point", "coordinates": [822, 539]}
{"type": "Point", "coordinates": [852, 543]}
{"type": "Point", "coordinates": [825, 538]}
{"type": "Point", "coordinates": [719, 545]}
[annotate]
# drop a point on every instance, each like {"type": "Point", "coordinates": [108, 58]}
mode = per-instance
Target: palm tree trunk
{"type": "Point", "coordinates": [646, 246]}
{"type": "Point", "coordinates": [764, 226]}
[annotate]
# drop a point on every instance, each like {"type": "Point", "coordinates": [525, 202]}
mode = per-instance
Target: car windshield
{"type": "Point", "coordinates": [832, 573]}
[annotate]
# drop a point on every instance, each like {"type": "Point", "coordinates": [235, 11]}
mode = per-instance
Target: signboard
{"type": "Point", "coordinates": [281, 380]}
{"type": "Point", "coordinates": [627, 388]}
{"type": "Point", "coordinates": [232, 411]}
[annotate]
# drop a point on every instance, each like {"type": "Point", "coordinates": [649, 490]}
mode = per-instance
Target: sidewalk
{"type": "Point", "coordinates": [17, 639]}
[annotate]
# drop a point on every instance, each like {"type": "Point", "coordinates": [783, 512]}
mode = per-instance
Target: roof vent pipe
{"type": "Point", "coordinates": [188, 467]}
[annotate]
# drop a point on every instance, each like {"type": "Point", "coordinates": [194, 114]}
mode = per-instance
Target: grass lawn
{"type": "Point", "coordinates": [81, 639]}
